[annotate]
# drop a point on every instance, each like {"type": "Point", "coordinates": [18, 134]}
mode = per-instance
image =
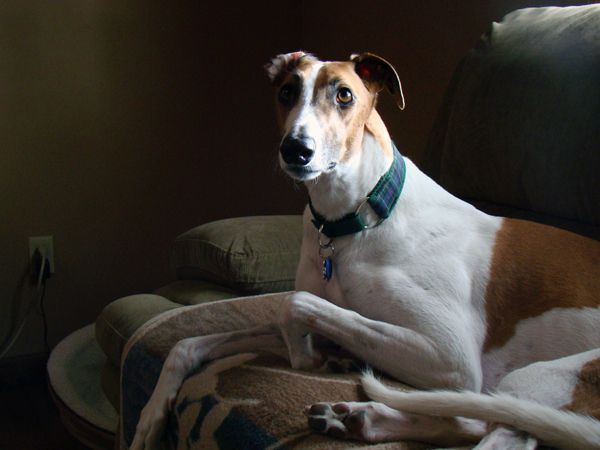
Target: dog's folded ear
{"type": "Point", "coordinates": [283, 64]}
{"type": "Point", "coordinates": [377, 74]}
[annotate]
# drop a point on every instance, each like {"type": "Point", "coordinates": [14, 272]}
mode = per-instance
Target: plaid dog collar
{"type": "Point", "coordinates": [381, 199]}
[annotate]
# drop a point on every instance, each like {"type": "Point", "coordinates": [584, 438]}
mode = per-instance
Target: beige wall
{"type": "Point", "coordinates": [125, 123]}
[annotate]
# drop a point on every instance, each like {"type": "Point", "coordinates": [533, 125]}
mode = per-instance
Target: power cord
{"type": "Point", "coordinates": [42, 312]}
{"type": "Point", "coordinates": [40, 267]}
{"type": "Point", "coordinates": [43, 272]}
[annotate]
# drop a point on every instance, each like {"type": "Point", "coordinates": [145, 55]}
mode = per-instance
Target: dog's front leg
{"type": "Point", "coordinates": [408, 355]}
{"type": "Point", "coordinates": [183, 358]}
{"type": "Point", "coordinates": [405, 354]}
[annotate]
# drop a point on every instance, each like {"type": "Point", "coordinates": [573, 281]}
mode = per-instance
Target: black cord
{"type": "Point", "coordinates": [43, 314]}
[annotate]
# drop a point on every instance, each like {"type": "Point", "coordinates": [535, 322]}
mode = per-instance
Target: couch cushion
{"type": "Point", "coordinates": [519, 125]}
{"type": "Point", "coordinates": [121, 318]}
{"type": "Point", "coordinates": [248, 254]}
{"type": "Point", "coordinates": [194, 292]}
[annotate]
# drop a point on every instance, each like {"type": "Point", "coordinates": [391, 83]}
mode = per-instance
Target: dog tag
{"type": "Point", "coordinates": [326, 248]}
{"type": "Point", "coordinates": [327, 268]}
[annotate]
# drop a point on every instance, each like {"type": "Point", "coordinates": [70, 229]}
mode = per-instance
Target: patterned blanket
{"type": "Point", "coordinates": [239, 402]}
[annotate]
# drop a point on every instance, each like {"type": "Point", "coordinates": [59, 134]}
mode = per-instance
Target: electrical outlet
{"type": "Point", "coordinates": [43, 243]}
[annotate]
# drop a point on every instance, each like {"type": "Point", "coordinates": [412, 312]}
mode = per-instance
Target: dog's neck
{"type": "Point", "coordinates": [336, 193]}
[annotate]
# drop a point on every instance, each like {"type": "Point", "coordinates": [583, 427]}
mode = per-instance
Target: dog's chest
{"type": "Point", "coordinates": [405, 275]}
{"type": "Point", "coordinates": [370, 278]}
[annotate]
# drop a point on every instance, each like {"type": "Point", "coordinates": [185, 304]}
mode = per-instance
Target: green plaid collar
{"type": "Point", "coordinates": [381, 199]}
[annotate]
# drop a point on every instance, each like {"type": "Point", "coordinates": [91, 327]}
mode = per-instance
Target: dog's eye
{"type": "Point", "coordinates": [287, 94]}
{"type": "Point", "coordinates": [344, 96]}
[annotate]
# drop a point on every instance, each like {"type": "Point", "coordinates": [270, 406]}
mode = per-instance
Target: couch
{"type": "Point", "coordinates": [517, 135]}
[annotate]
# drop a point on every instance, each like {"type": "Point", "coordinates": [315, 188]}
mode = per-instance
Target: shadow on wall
{"type": "Point", "coordinates": [124, 124]}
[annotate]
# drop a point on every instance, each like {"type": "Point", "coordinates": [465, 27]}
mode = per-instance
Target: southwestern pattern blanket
{"type": "Point", "coordinates": [237, 402]}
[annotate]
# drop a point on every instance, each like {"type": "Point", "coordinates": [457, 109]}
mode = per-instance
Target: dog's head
{"type": "Point", "coordinates": [323, 108]}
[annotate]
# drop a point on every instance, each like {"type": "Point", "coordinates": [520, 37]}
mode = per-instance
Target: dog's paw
{"type": "Point", "coordinates": [341, 420]}
{"type": "Point", "coordinates": [151, 425]}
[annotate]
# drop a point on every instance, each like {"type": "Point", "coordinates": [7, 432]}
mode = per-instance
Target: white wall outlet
{"type": "Point", "coordinates": [45, 243]}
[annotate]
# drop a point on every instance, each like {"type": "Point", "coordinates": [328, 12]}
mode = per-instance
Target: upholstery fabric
{"type": "Point", "coordinates": [247, 254]}
{"type": "Point", "coordinates": [519, 126]}
{"type": "Point", "coordinates": [194, 292]}
{"type": "Point", "coordinates": [253, 253]}
{"type": "Point", "coordinates": [119, 320]}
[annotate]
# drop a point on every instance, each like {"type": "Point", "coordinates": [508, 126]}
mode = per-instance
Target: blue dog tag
{"type": "Point", "coordinates": [327, 268]}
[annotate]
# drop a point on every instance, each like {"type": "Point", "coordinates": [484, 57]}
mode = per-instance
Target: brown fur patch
{"type": "Point", "coordinates": [534, 269]}
{"type": "Point", "coordinates": [586, 395]}
{"type": "Point", "coordinates": [364, 115]}
{"type": "Point", "coordinates": [348, 123]}
{"type": "Point", "coordinates": [377, 128]}
{"type": "Point", "coordinates": [299, 71]}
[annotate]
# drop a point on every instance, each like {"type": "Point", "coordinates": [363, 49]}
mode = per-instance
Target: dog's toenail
{"type": "Point", "coordinates": [319, 409]}
{"type": "Point", "coordinates": [318, 424]}
{"type": "Point", "coordinates": [341, 408]}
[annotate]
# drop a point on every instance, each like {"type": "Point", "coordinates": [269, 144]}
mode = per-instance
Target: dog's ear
{"type": "Point", "coordinates": [377, 74]}
{"type": "Point", "coordinates": [283, 64]}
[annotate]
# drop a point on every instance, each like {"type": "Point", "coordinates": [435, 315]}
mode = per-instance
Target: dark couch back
{"type": "Point", "coordinates": [519, 131]}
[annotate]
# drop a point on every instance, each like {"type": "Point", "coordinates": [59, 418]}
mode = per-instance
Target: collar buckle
{"type": "Point", "coordinates": [365, 216]}
{"type": "Point", "coordinates": [381, 200]}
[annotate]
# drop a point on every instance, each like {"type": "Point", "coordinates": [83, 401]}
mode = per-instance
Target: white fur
{"type": "Point", "coordinates": [280, 63]}
{"type": "Point", "coordinates": [561, 338]}
{"type": "Point", "coordinates": [402, 274]}
{"type": "Point", "coordinates": [553, 427]}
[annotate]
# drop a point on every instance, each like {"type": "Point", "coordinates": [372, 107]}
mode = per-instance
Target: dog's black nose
{"type": "Point", "coordinates": [295, 151]}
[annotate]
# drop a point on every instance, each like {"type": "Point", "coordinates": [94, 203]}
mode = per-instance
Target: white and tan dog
{"type": "Point", "coordinates": [425, 287]}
